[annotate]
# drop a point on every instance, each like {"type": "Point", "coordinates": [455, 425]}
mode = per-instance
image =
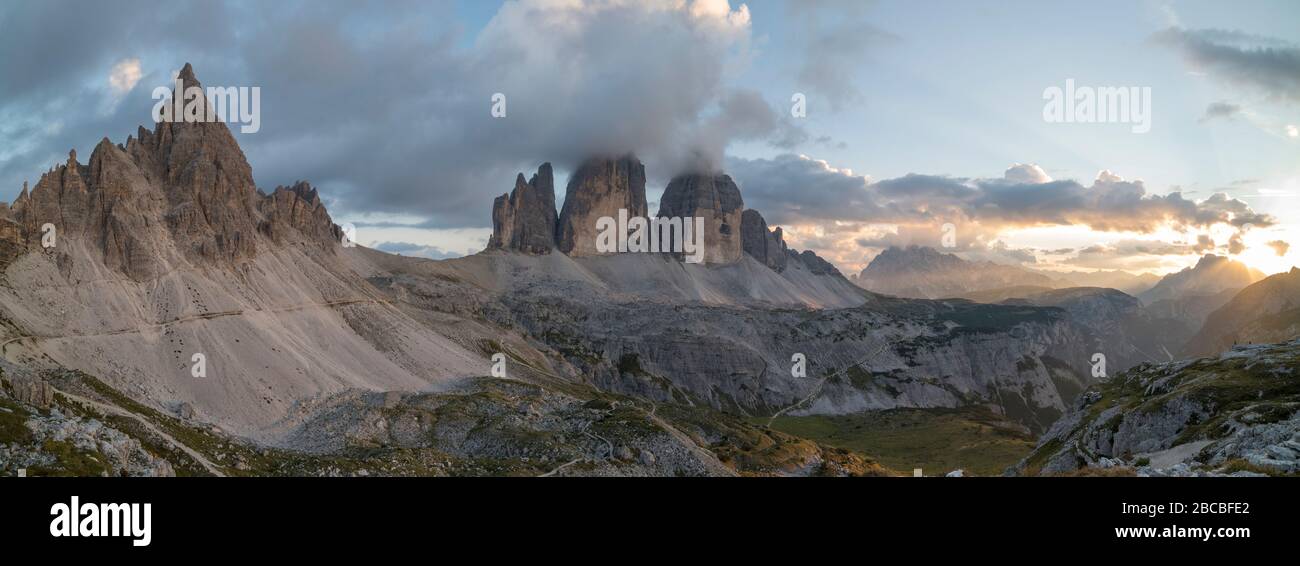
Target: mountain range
{"type": "Point", "coordinates": [162, 315]}
{"type": "Point", "coordinates": [925, 273]}
{"type": "Point", "coordinates": [1266, 311]}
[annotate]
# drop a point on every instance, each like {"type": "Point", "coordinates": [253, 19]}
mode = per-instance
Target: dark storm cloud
{"type": "Point", "coordinates": [792, 189]}
{"type": "Point", "coordinates": [386, 106]}
{"type": "Point", "coordinates": [1267, 64]}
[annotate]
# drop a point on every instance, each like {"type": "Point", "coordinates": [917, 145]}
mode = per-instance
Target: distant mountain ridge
{"type": "Point", "coordinates": [1113, 279]}
{"type": "Point", "coordinates": [1265, 312]}
{"type": "Point", "coordinates": [1211, 275]}
{"type": "Point", "coordinates": [1194, 292]}
{"type": "Point", "coordinates": [921, 272]}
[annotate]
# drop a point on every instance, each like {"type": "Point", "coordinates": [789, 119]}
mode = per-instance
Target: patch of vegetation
{"type": "Point", "coordinates": [1034, 464]}
{"type": "Point", "coordinates": [1242, 465]}
{"type": "Point", "coordinates": [981, 318]}
{"type": "Point", "coordinates": [1090, 472]}
{"type": "Point", "coordinates": [13, 427]}
{"type": "Point", "coordinates": [70, 461]}
{"type": "Point", "coordinates": [973, 439]}
{"type": "Point", "coordinates": [631, 364]}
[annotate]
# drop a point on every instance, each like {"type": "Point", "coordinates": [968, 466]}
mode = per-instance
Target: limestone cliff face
{"type": "Point", "coordinates": [766, 246]}
{"type": "Point", "coordinates": [524, 220]}
{"type": "Point", "coordinates": [600, 187]}
{"type": "Point", "coordinates": [183, 193]}
{"type": "Point", "coordinates": [716, 198]}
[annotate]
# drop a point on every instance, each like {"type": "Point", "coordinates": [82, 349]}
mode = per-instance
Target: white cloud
{"type": "Point", "coordinates": [124, 76]}
{"type": "Point", "coordinates": [1027, 173]}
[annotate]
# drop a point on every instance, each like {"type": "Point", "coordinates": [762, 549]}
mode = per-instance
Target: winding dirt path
{"type": "Point", "coordinates": [115, 410]}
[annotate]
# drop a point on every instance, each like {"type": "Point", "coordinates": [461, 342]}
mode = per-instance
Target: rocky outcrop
{"type": "Point", "coordinates": [1029, 362]}
{"type": "Point", "coordinates": [599, 188]}
{"type": "Point", "coordinates": [768, 247]}
{"type": "Point", "coordinates": [1227, 414]}
{"type": "Point", "coordinates": [716, 198]}
{"type": "Point", "coordinates": [31, 390]}
{"type": "Point", "coordinates": [814, 263]}
{"type": "Point", "coordinates": [299, 208]}
{"type": "Point", "coordinates": [181, 193]}
{"type": "Point", "coordinates": [524, 220]}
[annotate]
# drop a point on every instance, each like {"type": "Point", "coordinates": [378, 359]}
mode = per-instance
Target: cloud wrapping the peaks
{"type": "Point", "coordinates": [388, 111]}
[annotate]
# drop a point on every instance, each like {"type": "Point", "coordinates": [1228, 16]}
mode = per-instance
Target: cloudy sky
{"type": "Point", "coordinates": [918, 113]}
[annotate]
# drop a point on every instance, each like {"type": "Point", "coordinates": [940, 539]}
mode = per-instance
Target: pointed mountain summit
{"type": "Point", "coordinates": [524, 220]}
{"type": "Point", "coordinates": [181, 194]}
{"type": "Point", "coordinates": [926, 273]}
{"type": "Point", "coordinates": [600, 187]}
{"type": "Point", "coordinates": [768, 247]}
{"type": "Point", "coordinates": [716, 199]}
{"type": "Point", "coordinates": [1211, 275]}
{"type": "Point", "coordinates": [1266, 311]}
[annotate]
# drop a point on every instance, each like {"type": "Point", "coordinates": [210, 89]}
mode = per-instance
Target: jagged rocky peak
{"type": "Point", "coordinates": [716, 198]}
{"type": "Point", "coordinates": [814, 263]}
{"type": "Point", "coordinates": [1212, 274]}
{"type": "Point", "coordinates": [299, 207]}
{"type": "Point", "coordinates": [768, 247]}
{"type": "Point", "coordinates": [524, 220]}
{"type": "Point", "coordinates": [183, 192]}
{"type": "Point", "coordinates": [600, 187]}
